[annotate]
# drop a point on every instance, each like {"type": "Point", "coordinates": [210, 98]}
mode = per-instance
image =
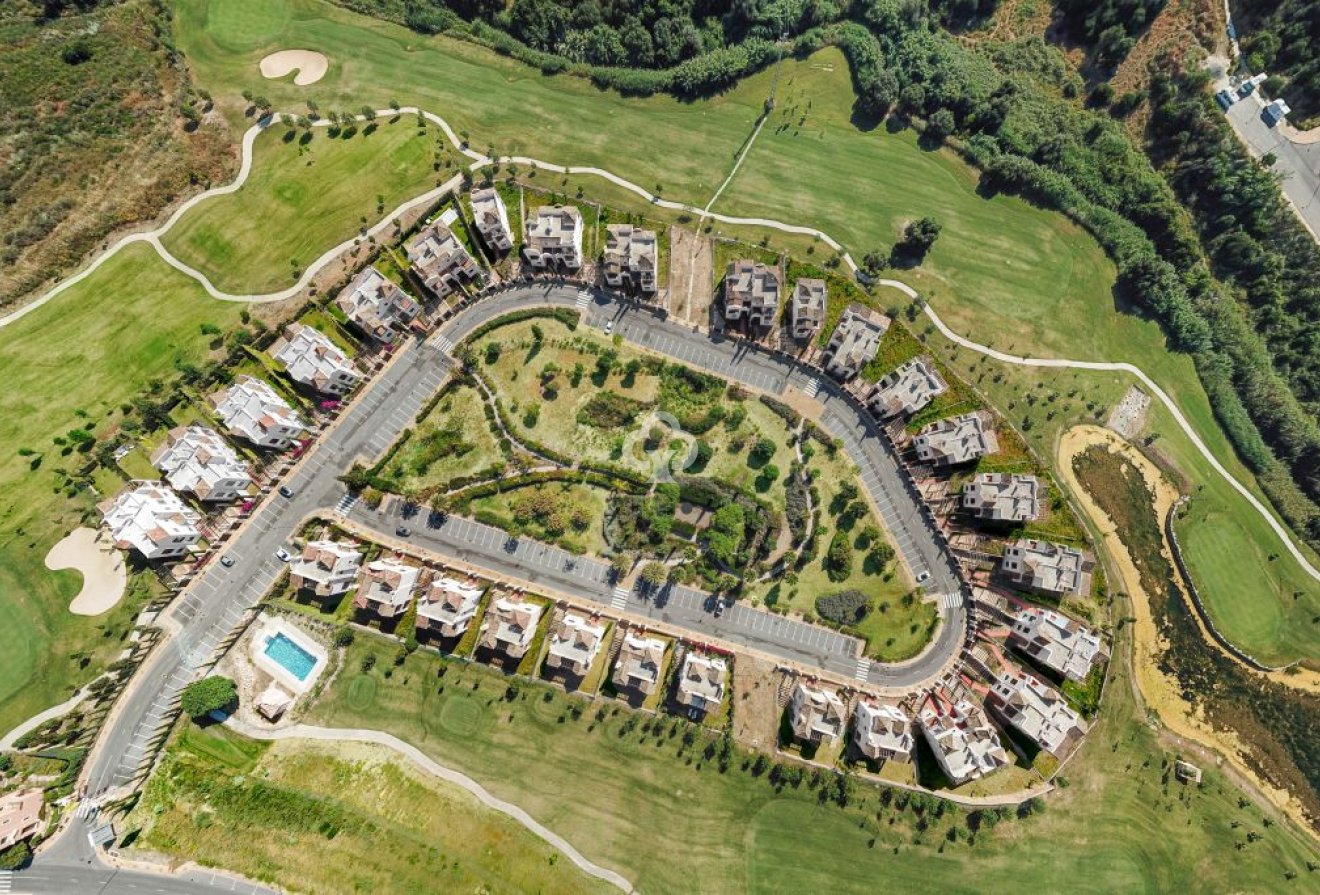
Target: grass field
{"type": "Point", "coordinates": [1119, 826]}
{"type": "Point", "coordinates": [335, 818]}
{"type": "Point", "coordinates": [303, 198]}
{"type": "Point", "coordinates": [452, 440]}
{"type": "Point", "coordinates": [91, 349]}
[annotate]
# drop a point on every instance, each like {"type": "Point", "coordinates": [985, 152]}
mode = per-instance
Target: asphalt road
{"type": "Point", "coordinates": [216, 599]}
{"type": "Point", "coordinates": [1299, 163]}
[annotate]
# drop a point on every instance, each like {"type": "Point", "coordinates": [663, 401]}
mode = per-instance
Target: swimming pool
{"type": "Point", "coordinates": [290, 656]}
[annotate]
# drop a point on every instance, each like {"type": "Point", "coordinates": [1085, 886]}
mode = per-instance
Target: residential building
{"type": "Point", "coordinates": [20, 817]}
{"type": "Point", "coordinates": [701, 681]}
{"type": "Point", "coordinates": [151, 519]}
{"type": "Point", "coordinates": [439, 261]}
{"type": "Point", "coordinates": [575, 642]}
{"type": "Point", "coordinates": [510, 625]}
{"type": "Point", "coordinates": [1003, 497]}
{"type": "Point", "coordinates": [1059, 643]}
{"type": "Point", "coordinates": [854, 342]}
{"type": "Point", "coordinates": [638, 664]}
{"type": "Point", "coordinates": [386, 587]}
{"type": "Point", "coordinates": [326, 568]}
{"type": "Point", "coordinates": [197, 460]}
{"type": "Point", "coordinates": [1037, 711]}
{"type": "Point", "coordinates": [1275, 111]}
{"type": "Point", "coordinates": [311, 359]}
{"type": "Point", "coordinates": [751, 294]}
{"type": "Point", "coordinates": [907, 389]}
{"type": "Point", "coordinates": [809, 307]}
{"type": "Point", "coordinates": [448, 606]}
{"type": "Point", "coordinates": [963, 740]}
{"type": "Point", "coordinates": [554, 237]}
{"type": "Point", "coordinates": [1048, 567]}
{"type": "Point", "coordinates": [376, 306]}
{"type": "Point", "coordinates": [816, 714]}
{"type": "Point", "coordinates": [492, 219]}
{"type": "Point", "coordinates": [882, 732]}
{"type": "Point", "coordinates": [631, 255]}
{"type": "Point", "coordinates": [958, 439]}
{"type": "Point", "coordinates": [252, 409]}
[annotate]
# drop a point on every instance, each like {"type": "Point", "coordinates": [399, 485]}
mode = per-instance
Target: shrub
{"type": "Point", "coordinates": [847, 607]}
{"type": "Point", "coordinates": [607, 410]}
{"type": "Point", "coordinates": [210, 694]}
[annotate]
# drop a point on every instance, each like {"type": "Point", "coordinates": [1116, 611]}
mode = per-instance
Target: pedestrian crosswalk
{"type": "Point", "coordinates": [6, 880]}
{"type": "Point", "coordinates": [950, 601]}
{"type": "Point", "coordinates": [812, 387]}
{"type": "Point", "coordinates": [583, 299]}
{"type": "Point", "coordinates": [863, 669]}
{"type": "Point", "coordinates": [346, 503]}
{"type": "Point", "coordinates": [443, 344]}
{"type": "Point", "coordinates": [87, 809]}
{"type": "Point", "coordinates": [621, 595]}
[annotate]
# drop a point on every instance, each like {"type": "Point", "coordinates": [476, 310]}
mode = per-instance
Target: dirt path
{"type": "Point", "coordinates": [1161, 691]}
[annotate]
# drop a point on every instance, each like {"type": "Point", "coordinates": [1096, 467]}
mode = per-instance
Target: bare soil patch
{"type": "Point", "coordinates": [690, 258]}
{"type": "Point", "coordinates": [101, 565]}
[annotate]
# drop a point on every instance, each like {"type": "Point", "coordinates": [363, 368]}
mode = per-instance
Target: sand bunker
{"type": "Point", "coordinates": [309, 64]}
{"type": "Point", "coordinates": [102, 568]}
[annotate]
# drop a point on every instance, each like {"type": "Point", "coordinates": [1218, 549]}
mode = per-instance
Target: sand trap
{"type": "Point", "coordinates": [309, 64]}
{"type": "Point", "coordinates": [102, 568]}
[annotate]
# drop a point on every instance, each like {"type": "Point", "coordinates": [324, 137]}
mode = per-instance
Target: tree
{"type": "Point", "coordinates": [655, 574]}
{"type": "Point", "coordinates": [761, 453]}
{"type": "Point", "coordinates": [839, 558]}
{"type": "Point", "coordinates": [210, 694]}
{"type": "Point", "coordinates": [918, 237]}
{"type": "Point", "coordinates": [16, 856]}
{"type": "Point", "coordinates": [620, 565]}
{"type": "Point", "coordinates": [941, 124]}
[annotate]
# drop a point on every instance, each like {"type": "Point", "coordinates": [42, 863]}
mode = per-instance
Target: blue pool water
{"type": "Point", "coordinates": [292, 657]}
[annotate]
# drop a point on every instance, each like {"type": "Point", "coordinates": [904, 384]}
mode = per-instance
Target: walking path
{"type": "Point", "coordinates": [431, 766]}
{"type": "Point", "coordinates": [55, 711]}
{"type": "Point", "coordinates": [479, 161]}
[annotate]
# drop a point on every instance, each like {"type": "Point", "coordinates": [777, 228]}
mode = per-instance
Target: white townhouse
{"type": "Point", "coordinates": [254, 411]}
{"type": "Point", "coordinates": [197, 460]}
{"type": "Point", "coordinates": [314, 361]}
{"type": "Point", "coordinates": [151, 519]}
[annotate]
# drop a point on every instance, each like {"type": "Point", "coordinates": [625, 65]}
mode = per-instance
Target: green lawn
{"type": "Point", "coordinates": [301, 199]}
{"type": "Point", "coordinates": [1117, 827]}
{"type": "Point", "coordinates": [89, 350]}
{"type": "Point", "coordinates": [320, 817]}
{"type": "Point", "coordinates": [452, 440]}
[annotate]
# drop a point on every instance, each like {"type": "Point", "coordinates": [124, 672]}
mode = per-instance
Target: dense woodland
{"type": "Point", "coordinates": [1282, 37]}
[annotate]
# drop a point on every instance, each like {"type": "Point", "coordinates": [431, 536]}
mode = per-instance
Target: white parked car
{"type": "Point", "coordinates": [282, 555]}
{"type": "Point", "coordinates": [923, 577]}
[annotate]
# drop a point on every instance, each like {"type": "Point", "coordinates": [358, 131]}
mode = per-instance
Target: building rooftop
{"type": "Point", "coordinates": [1046, 566]}
{"type": "Point", "coordinates": [882, 731]}
{"type": "Point", "coordinates": [575, 641]}
{"type": "Point", "coordinates": [751, 289]}
{"type": "Point", "coordinates": [147, 515]}
{"type": "Point", "coordinates": [855, 340]}
{"type": "Point", "coordinates": [555, 229]}
{"type": "Point", "coordinates": [20, 816]}
{"type": "Point", "coordinates": [1061, 644]}
{"type": "Point", "coordinates": [377, 305]}
{"type": "Point", "coordinates": [639, 661]}
{"type": "Point", "coordinates": [388, 582]}
{"type": "Point", "coordinates": [511, 624]}
{"type": "Point", "coordinates": [965, 743]}
{"type": "Point", "coordinates": [312, 359]}
{"type": "Point", "coordinates": [1003, 496]}
{"type": "Point", "coordinates": [815, 713]}
{"type": "Point", "coordinates": [1036, 710]}
{"type": "Point", "coordinates": [702, 680]}
{"type": "Point", "coordinates": [958, 439]}
{"type": "Point", "coordinates": [198, 459]}
{"type": "Point", "coordinates": [251, 408]}
{"type": "Point", "coordinates": [907, 389]}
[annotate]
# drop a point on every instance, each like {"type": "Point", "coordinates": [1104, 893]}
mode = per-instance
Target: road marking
{"type": "Point", "coordinates": [6, 880]}
{"type": "Point", "coordinates": [951, 600]}
{"type": "Point", "coordinates": [863, 669]}
{"type": "Point", "coordinates": [583, 299]}
{"type": "Point", "coordinates": [813, 387]}
{"type": "Point", "coordinates": [443, 344]}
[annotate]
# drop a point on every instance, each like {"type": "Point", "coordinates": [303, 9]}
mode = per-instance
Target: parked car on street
{"type": "Point", "coordinates": [283, 555]}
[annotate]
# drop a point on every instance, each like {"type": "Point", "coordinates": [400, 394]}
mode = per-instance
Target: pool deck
{"type": "Point", "coordinates": [271, 628]}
